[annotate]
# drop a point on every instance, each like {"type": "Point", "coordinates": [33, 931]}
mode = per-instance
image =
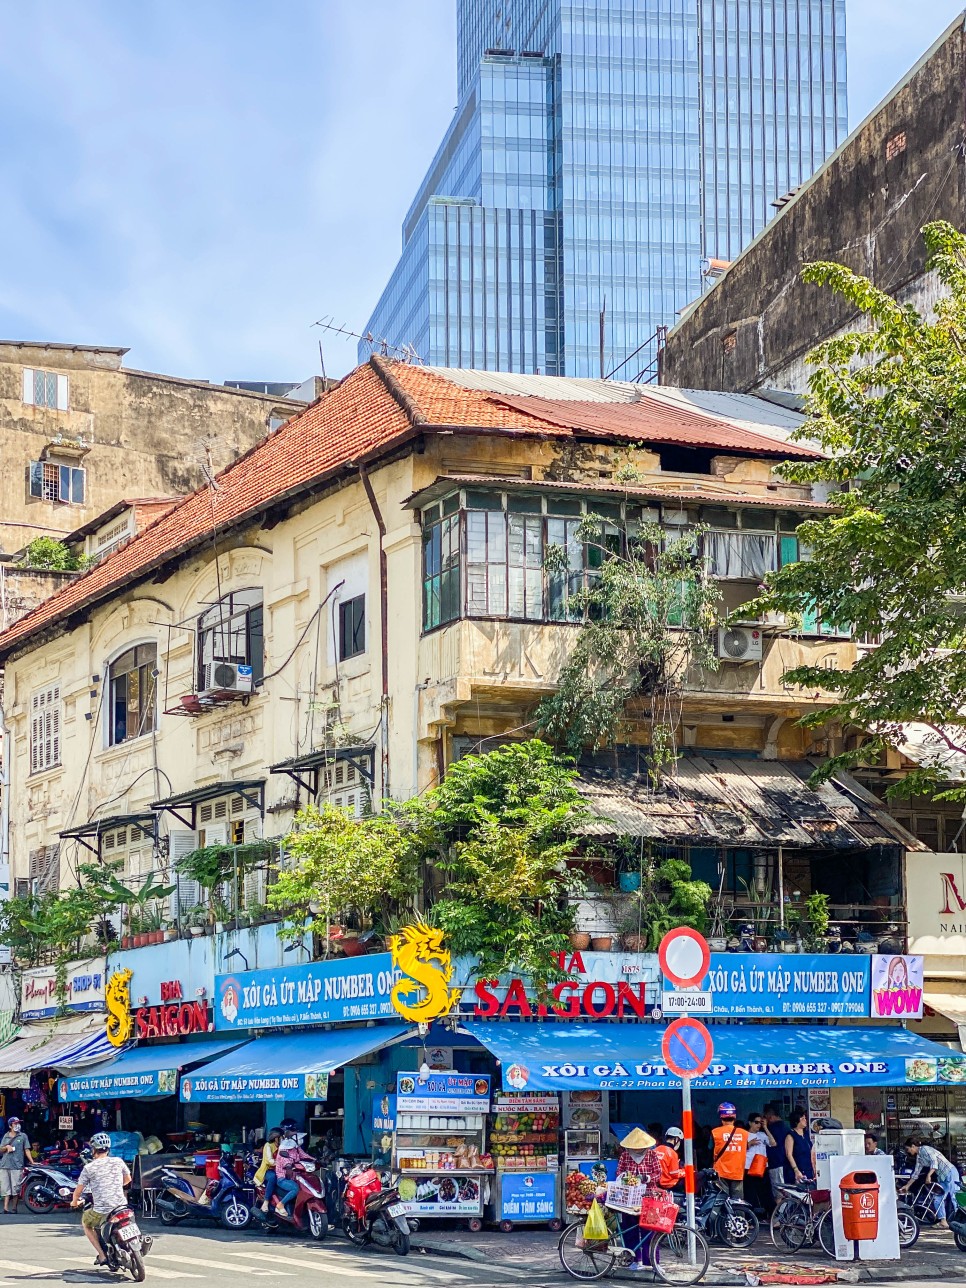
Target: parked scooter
{"type": "Point", "coordinates": [719, 1216]}
{"type": "Point", "coordinates": [307, 1211]}
{"type": "Point", "coordinates": [45, 1188]}
{"type": "Point", "coordinates": [372, 1212]}
{"type": "Point", "coordinates": [222, 1199]}
{"type": "Point", "coordinates": [123, 1244]}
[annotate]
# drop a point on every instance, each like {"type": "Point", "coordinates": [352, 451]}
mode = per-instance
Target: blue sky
{"type": "Point", "coordinates": [202, 181]}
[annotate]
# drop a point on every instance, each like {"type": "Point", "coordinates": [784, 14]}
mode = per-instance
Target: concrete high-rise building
{"type": "Point", "coordinates": [600, 152]}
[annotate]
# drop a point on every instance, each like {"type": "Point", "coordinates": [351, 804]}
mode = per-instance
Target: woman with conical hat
{"type": "Point", "coordinates": [639, 1163]}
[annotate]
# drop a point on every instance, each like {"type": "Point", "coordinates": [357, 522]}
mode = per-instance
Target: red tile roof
{"type": "Point", "coordinates": [375, 409]}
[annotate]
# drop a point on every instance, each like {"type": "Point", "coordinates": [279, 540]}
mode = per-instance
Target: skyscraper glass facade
{"type": "Point", "coordinates": [600, 152]}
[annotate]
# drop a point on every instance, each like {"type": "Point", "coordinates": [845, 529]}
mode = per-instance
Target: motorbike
{"type": "Point", "coordinates": [45, 1188]}
{"type": "Point", "coordinates": [730, 1221]}
{"type": "Point", "coordinates": [372, 1211]}
{"type": "Point", "coordinates": [307, 1211]}
{"type": "Point", "coordinates": [957, 1223]}
{"type": "Point", "coordinates": [123, 1244]}
{"type": "Point", "coordinates": [218, 1199]}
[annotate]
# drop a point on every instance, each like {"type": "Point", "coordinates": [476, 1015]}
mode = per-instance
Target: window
{"type": "Point", "coordinates": [45, 389]}
{"type": "Point", "coordinates": [52, 482]}
{"type": "Point", "coordinates": [352, 627]}
{"type": "Point", "coordinates": [441, 568]}
{"type": "Point", "coordinates": [132, 693]}
{"type": "Point", "coordinates": [232, 631]}
{"type": "Point", "coordinates": [45, 729]}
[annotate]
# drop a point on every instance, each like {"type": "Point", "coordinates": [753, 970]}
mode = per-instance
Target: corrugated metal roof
{"type": "Point", "coordinates": [736, 802]}
{"type": "Point", "coordinates": [558, 388]}
{"type": "Point", "coordinates": [928, 747]}
{"type": "Point", "coordinates": [715, 494]}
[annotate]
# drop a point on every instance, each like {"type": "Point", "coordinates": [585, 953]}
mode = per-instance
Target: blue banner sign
{"type": "Point", "coordinates": [337, 992]}
{"type": "Point", "coordinates": [118, 1086]}
{"type": "Point", "coordinates": [383, 1113]}
{"type": "Point", "coordinates": [231, 1088]}
{"type": "Point", "coordinates": [789, 985]}
{"type": "Point", "coordinates": [447, 1093]}
{"type": "Point", "coordinates": [528, 1196]}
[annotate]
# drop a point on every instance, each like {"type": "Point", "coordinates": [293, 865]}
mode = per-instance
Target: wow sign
{"type": "Point", "coordinates": [897, 984]}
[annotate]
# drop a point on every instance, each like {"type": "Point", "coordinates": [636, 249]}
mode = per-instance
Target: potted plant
{"type": "Point", "coordinates": [195, 919]}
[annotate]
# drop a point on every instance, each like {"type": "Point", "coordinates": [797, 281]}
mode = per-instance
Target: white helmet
{"type": "Point", "coordinates": [100, 1140]}
{"type": "Point", "coordinates": [674, 1133]}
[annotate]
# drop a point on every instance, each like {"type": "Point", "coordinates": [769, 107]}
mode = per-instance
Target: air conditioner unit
{"type": "Point", "coordinates": [226, 677]}
{"type": "Point", "coordinates": [739, 644]}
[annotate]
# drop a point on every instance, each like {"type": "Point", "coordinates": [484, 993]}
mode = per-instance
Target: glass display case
{"type": "Point", "coordinates": [525, 1146]}
{"type": "Point", "coordinates": [586, 1127]}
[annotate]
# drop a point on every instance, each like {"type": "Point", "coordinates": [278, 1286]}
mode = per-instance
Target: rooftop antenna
{"type": "Point", "coordinates": [322, 363]}
{"type": "Point", "coordinates": [405, 352]}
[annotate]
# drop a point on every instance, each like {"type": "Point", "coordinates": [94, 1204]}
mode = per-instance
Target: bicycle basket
{"type": "Point", "coordinates": [625, 1198]}
{"type": "Point", "coordinates": [658, 1214]}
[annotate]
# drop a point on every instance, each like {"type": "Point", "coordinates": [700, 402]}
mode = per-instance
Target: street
{"type": "Point", "coordinates": [54, 1249]}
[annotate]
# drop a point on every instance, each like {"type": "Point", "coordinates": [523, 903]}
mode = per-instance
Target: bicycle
{"type": "Point", "coordinates": [794, 1222]}
{"type": "Point", "coordinates": [908, 1229]}
{"type": "Point", "coordinates": [667, 1253]}
{"type": "Point", "coordinates": [927, 1202]}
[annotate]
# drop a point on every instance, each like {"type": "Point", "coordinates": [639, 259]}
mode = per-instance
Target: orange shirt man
{"type": "Point", "coordinates": [729, 1151]}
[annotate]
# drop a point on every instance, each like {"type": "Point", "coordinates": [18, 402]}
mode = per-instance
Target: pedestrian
{"type": "Point", "coordinates": [937, 1168]}
{"type": "Point", "coordinates": [778, 1129]}
{"type": "Point", "coordinates": [14, 1151]}
{"type": "Point", "coordinates": [638, 1162]}
{"type": "Point", "coordinates": [872, 1145]}
{"type": "Point", "coordinates": [730, 1146]}
{"type": "Point", "coordinates": [760, 1141]}
{"type": "Point", "coordinates": [669, 1152]}
{"type": "Point", "coordinates": [799, 1149]}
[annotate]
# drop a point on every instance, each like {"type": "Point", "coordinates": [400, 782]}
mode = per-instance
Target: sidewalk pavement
{"type": "Point", "coordinates": [534, 1248]}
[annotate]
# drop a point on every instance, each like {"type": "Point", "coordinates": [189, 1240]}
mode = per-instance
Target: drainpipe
{"type": "Point", "coordinates": [5, 743]}
{"type": "Point", "coordinates": [383, 626]}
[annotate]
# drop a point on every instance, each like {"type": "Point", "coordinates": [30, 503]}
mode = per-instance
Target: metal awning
{"type": "Point", "coordinates": [304, 770]}
{"type": "Point", "coordinates": [935, 747]}
{"type": "Point", "coordinates": [142, 1071]}
{"type": "Point", "coordinates": [251, 790]}
{"type": "Point", "coordinates": [738, 802]}
{"type": "Point", "coordinates": [146, 821]}
{"type": "Point", "coordinates": [43, 1047]}
{"type": "Point", "coordinates": [947, 997]}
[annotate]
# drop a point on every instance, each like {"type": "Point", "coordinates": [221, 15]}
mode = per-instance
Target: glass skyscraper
{"type": "Point", "coordinates": [599, 154]}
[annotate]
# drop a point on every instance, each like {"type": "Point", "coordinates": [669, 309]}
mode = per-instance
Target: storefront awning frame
{"type": "Point", "coordinates": [251, 790]}
{"type": "Point", "coordinates": [304, 770]}
{"type": "Point", "coordinates": [134, 1061]}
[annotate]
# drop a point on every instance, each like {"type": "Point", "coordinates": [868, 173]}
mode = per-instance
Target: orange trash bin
{"type": "Point", "coordinates": [860, 1205]}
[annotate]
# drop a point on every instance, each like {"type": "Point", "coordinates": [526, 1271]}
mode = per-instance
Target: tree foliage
{"type": "Point", "coordinates": [53, 555]}
{"type": "Point", "coordinates": [888, 405]}
{"type": "Point", "coordinates": [646, 618]}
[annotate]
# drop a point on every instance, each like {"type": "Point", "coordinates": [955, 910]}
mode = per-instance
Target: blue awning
{"type": "Point", "coordinates": [142, 1071]}
{"type": "Point", "coordinates": [287, 1067]}
{"type": "Point", "coordinates": [627, 1057]}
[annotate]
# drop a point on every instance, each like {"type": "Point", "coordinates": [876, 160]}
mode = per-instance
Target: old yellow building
{"type": "Point", "coordinates": [79, 432]}
{"type": "Point", "coordinates": [362, 597]}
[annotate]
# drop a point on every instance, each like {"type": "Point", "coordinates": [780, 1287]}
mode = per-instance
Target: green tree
{"type": "Point", "coordinates": [888, 405]}
{"type": "Point", "coordinates": [647, 615]}
{"type": "Point", "coordinates": [360, 870]}
{"type": "Point", "coordinates": [49, 553]}
{"type": "Point", "coordinates": [501, 829]}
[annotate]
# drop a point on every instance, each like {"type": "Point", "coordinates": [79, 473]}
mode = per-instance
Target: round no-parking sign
{"type": "Point", "coordinates": [687, 1047]}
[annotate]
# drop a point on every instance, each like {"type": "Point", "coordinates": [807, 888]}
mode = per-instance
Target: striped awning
{"type": "Point", "coordinates": [42, 1047]}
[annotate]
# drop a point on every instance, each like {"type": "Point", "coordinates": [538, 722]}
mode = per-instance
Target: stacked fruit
{"type": "Point", "coordinates": [579, 1191]}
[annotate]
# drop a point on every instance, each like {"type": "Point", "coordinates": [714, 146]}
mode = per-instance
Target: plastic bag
{"type": "Point", "coordinates": [595, 1227]}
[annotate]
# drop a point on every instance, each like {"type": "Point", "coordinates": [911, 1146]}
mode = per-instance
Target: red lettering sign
{"type": "Point", "coordinates": [172, 1021]}
{"type": "Point", "coordinates": [950, 891]}
{"type": "Point", "coordinates": [171, 990]}
{"type": "Point", "coordinates": [569, 1000]}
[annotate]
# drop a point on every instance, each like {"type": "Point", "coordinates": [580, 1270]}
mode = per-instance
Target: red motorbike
{"type": "Point", "coordinates": [307, 1213]}
{"type": "Point", "coordinates": [372, 1212]}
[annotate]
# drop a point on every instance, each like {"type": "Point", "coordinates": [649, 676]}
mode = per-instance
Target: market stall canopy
{"type": "Point", "coordinates": [287, 1067]}
{"type": "Point", "coordinates": [627, 1057]}
{"type": "Point", "coordinates": [735, 801]}
{"type": "Point", "coordinates": [42, 1047]}
{"type": "Point", "coordinates": [140, 1071]}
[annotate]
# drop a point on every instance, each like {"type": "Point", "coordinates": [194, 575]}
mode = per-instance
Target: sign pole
{"type": "Point", "coordinates": [687, 1126]}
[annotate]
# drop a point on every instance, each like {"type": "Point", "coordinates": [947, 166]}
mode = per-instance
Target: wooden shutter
{"type": "Point", "coordinates": [45, 729]}
{"type": "Point", "coordinates": [187, 893]}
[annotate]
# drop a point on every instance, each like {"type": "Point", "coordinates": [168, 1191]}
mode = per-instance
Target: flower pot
{"type": "Point", "coordinates": [579, 940]}
{"type": "Point", "coordinates": [219, 927]}
{"type": "Point", "coordinates": [126, 941]}
{"type": "Point", "coordinates": [156, 937]}
{"type": "Point", "coordinates": [352, 946]}
{"type": "Point", "coordinates": [197, 930]}
{"type": "Point", "coordinates": [169, 934]}
{"type": "Point", "coordinates": [602, 943]}
{"type": "Point", "coordinates": [629, 881]}
{"type": "Point", "coordinates": [140, 939]}
{"type": "Point", "coordinates": [635, 943]}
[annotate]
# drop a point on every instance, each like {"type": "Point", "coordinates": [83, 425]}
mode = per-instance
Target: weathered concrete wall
{"type": "Point", "coordinates": [901, 169]}
{"type": "Point", "coordinates": [135, 434]}
{"type": "Point", "coordinates": [22, 589]}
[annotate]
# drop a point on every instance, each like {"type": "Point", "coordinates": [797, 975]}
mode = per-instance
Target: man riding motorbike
{"type": "Point", "coordinates": [107, 1178]}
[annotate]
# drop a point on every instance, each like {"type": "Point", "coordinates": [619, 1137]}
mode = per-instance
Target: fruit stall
{"type": "Point", "coordinates": [438, 1144]}
{"type": "Point", "coordinates": [524, 1145]}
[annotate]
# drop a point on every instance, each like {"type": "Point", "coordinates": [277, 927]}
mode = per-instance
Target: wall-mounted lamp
{"type": "Point", "coordinates": [237, 952]}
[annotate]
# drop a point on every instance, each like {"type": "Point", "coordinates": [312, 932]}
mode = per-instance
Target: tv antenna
{"type": "Point", "coordinates": [377, 344]}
